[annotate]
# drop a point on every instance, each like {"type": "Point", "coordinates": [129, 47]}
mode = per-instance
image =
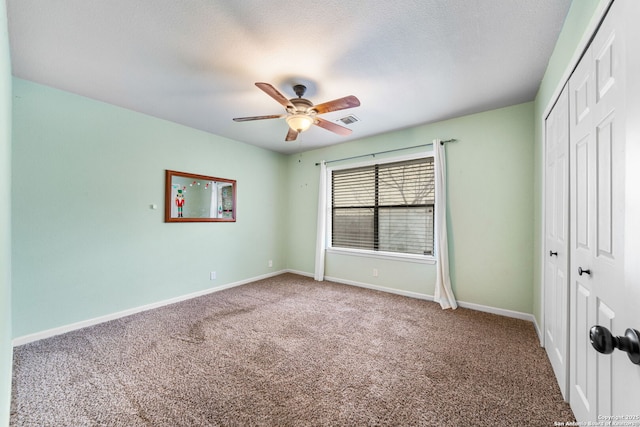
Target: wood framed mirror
{"type": "Point", "coordinates": [199, 198]}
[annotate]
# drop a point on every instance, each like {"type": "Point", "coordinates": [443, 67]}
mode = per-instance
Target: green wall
{"type": "Point", "coordinates": [86, 242]}
{"type": "Point", "coordinates": [490, 212]}
{"type": "Point", "coordinates": [6, 351]}
{"type": "Point", "coordinates": [578, 19]}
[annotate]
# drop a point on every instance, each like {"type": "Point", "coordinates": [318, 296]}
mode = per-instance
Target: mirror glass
{"type": "Point", "coordinates": [199, 198]}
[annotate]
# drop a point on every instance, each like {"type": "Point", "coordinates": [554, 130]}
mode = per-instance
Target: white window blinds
{"type": "Point", "coordinates": [384, 207]}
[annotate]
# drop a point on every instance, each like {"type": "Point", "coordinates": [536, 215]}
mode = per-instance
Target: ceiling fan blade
{"type": "Point", "coordinates": [246, 119]}
{"type": "Point", "coordinates": [340, 130]}
{"type": "Point", "coordinates": [275, 94]}
{"type": "Point", "coordinates": [337, 104]}
{"type": "Point", "coordinates": [291, 135]}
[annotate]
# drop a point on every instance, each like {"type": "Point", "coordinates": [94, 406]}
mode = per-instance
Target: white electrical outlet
{"type": "Point", "coordinates": [375, 272]}
{"type": "Point", "coordinates": [212, 276]}
{"type": "Point", "coordinates": [270, 263]}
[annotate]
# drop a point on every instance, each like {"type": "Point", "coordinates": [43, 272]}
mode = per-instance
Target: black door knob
{"type": "Point", "coordinates": [581, 271]}
{"type": "Point", "coordinates": [602, 339]}
{"type": "Point", "coordinates": [604, 342]}
{"type": "Point", "coordinates": [551, 253]}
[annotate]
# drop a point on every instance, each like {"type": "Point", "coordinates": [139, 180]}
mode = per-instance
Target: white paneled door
{"type": "Point", "coordinates": [556, 290]}
{"type": "Point", "coordinates": [602, 386]}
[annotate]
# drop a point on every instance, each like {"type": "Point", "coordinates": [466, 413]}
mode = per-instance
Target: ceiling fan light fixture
{"type": "Point", "coordinates": [299, 122]}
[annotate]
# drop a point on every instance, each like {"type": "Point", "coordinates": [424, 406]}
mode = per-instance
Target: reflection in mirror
{"type": "Point", "coordinates": [199, 198]}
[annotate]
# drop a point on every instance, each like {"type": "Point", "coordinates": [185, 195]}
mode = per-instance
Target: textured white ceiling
{"type": "Point", "coordinates": [195, 62]}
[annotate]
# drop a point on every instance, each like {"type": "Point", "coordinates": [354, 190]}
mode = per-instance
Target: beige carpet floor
{"type": "Point", "coordinates": [289, 351]}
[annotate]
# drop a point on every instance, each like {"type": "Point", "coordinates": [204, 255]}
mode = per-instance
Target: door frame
{"type": "Point", "coordinates": [596, 19]}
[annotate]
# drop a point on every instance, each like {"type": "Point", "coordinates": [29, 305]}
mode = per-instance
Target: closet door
{"type": "Point", "coordinates": [601, 385]}
{"type": "Point", "coordinates": [583, 299]}
{"type": "Point", "coordinates": [556, 284]}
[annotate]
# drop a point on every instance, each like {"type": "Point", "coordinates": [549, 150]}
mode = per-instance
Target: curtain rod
{"type": "Point", "coordinates": [384, 152]}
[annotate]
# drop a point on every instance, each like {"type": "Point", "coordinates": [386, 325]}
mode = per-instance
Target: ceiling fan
{"type": "Point", "coordinates": [301, 113]}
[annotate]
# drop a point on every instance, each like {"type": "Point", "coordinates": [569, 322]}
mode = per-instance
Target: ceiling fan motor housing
{"type": "Point", "coordinates": [301, 105]}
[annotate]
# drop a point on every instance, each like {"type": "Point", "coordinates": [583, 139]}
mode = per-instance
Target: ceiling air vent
{"type": "Point", "coordinates": [349, 119]}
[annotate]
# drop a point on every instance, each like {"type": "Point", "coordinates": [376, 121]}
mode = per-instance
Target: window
{"type": "Point", "coordinates": [384, 207]}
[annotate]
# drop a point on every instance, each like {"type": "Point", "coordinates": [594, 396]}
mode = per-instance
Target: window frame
{"type": "Point", "coordinates": [425, 259]}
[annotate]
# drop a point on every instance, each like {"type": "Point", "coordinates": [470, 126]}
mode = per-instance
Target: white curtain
{"type": "Point", "coordinates": [322, 223]}
{"type": "Point", "coordinates": [213, 209]}
{"type": "Point", "coordinates": [443, 293]}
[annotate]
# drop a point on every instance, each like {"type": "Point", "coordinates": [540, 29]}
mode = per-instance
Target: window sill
{"type": "Point", "coordinates": [421, 259]}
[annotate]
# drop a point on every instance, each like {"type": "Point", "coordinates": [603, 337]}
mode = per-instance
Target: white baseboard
{"type": "Point", "coordinates": [538, 331]}
{"type": "Point", "coordinates": [101, 319]}
{"type": "Point", "coordinates": [380, 288]}
{"type": "Point", "coordinates": [300, 273]}
{"type": "Point", "coordinates": [499, 311]}
{"type": "Point", "coordinates": [469, 305]}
